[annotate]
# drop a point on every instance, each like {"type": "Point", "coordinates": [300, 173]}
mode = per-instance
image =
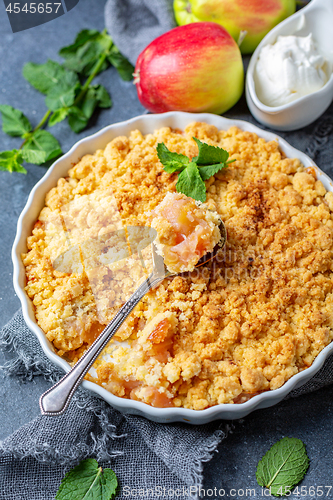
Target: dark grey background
{"type": "Point", "coordinates": [233, 467]}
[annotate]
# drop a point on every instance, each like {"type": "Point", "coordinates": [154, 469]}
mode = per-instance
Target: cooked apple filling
{"type": "Point", "coordinates": [186, 231]}
{"type": "Point", "coordinates": [222, 333]}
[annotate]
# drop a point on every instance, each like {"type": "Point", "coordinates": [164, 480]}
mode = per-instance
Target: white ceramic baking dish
{"type": "Point", "coordinates": [147, 124]}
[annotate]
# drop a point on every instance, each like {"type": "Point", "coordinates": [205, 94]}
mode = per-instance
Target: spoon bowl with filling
{"type": "Point", "coordinates": [186, 232]}
{"type": "Point", "coordinates": [315, 19]}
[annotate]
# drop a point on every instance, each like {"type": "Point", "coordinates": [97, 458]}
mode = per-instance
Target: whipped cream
{"type": "Point", "coordinates": [288, 69]}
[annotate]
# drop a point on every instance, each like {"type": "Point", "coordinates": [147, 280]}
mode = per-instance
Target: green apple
{"type": "Point", "coordinates": [256, 17]}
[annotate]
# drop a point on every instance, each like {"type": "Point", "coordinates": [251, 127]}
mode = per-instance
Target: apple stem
{"type": "Point", "coordinates": [241, 37]}
{"type": "Point", "coordinates": [188, 8]}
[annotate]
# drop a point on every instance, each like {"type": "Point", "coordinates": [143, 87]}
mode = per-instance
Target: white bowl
{"type": "Point", "coordinates": [315, 18]}
{"type": "Point", "coordinates": [147, 124]}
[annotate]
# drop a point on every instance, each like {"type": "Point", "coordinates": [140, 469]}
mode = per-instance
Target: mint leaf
{"type": "Point", "coordinates": [78, 116]}
{"type": "Point", "coordinates": [41, 147]}
{"type": "Point", "coordinates": [44, 76]}
{"type": "Point", "coordinates": [82, 56]}
{"type": "Point", "coordinates": [62, 95]}
{"type": "Point", "coordinates": [283, 466]}
{"type": "Point", "coordinates": [209, 170]}
{"type": "Point", "coordinates": [11, 161]}
{"type": "Point", "coordinates": [35, 156]}
{"type": "Point", "coordinates": [85, 59]}
{"type": "Point", "coordinates": [58, 116]}
{"type": "Point", "coordinates": [172, 162]}
{"type": "Point", "coordinates": [88, 103]}
{"type": "Point", "coordinates": [81, 38]}
{"type": "Point", "coordinates": [102, 96]}
{"type": "Point", "coordinates": [87, 481]}
{"type": "Point", "coordinates": [88, 47]}
{"type": "Point", "coordinates": [209, 155]}
{"type": "Point", "coordinates": [77, 119]}
{"type": "Point", "coordinates": [190, 183]}
{"type": "Point", "coordinates": [95, 96]}
{"type": "Point", "coordinates": [14, 122]}
{"type": "Point", "coordinates": [122, 65]}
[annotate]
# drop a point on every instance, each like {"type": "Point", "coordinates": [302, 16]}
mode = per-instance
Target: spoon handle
{"type": "Point", "coordinates": [56, 399]}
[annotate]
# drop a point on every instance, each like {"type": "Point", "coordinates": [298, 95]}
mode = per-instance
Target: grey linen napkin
{"type": "Point", "coordinates": [133, 24]}
{"type": "Point", "coordinates": [143, 454]}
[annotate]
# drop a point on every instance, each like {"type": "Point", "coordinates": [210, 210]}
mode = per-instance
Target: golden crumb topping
{"type": "Point", "coordinates": [245, 323]}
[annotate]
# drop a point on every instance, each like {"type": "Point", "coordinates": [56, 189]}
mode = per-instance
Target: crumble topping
{"type": "Point", "coordinates": [245, 323]}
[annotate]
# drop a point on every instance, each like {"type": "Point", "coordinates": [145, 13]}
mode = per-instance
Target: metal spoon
{"type": "Point", "coordinates": [56, 399]}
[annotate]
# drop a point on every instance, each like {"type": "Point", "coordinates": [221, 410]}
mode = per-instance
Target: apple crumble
{"type": "Point", "coordinates": [186, 231]}
{"type": "Point", "coordinates": [244, 323]}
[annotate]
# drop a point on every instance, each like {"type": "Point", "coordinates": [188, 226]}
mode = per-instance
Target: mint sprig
{"type": "Point", "coordinates": [193, 173]}
{"type": "Point", "coordinates": [283, 466]}
{"type": "Point", "coordinates": [88, 481]}
{"type": "Point", "coordinates": [38, 146]}
{"type": "Point", "coordinates": [190, 183]}
{"type": "Point", "coordinates": [69, 94]}
{"type": "Point", "coordinates": [63, 93]}
{"type": "Point", "coordinates": [172, 162]}
{"type": "Point", "coordinates": [12, 161]}
{"type": "Point", "coordinates": [209, 155]}
{"type": "Point", "coordinates": [122, 65]}
{"type": "Point", "coordinates": [43, 77]}
{"type": "Point", "coordinates": [14, 122]}
{"type": "Point", "coordinates": [85, 52]}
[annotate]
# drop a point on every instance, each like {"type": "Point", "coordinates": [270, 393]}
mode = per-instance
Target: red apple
{"type": "Point", "coordinates": [196, 68]}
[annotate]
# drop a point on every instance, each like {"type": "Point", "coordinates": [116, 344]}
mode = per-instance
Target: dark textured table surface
{"type": "Point", "coordinates": [309, 417]}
